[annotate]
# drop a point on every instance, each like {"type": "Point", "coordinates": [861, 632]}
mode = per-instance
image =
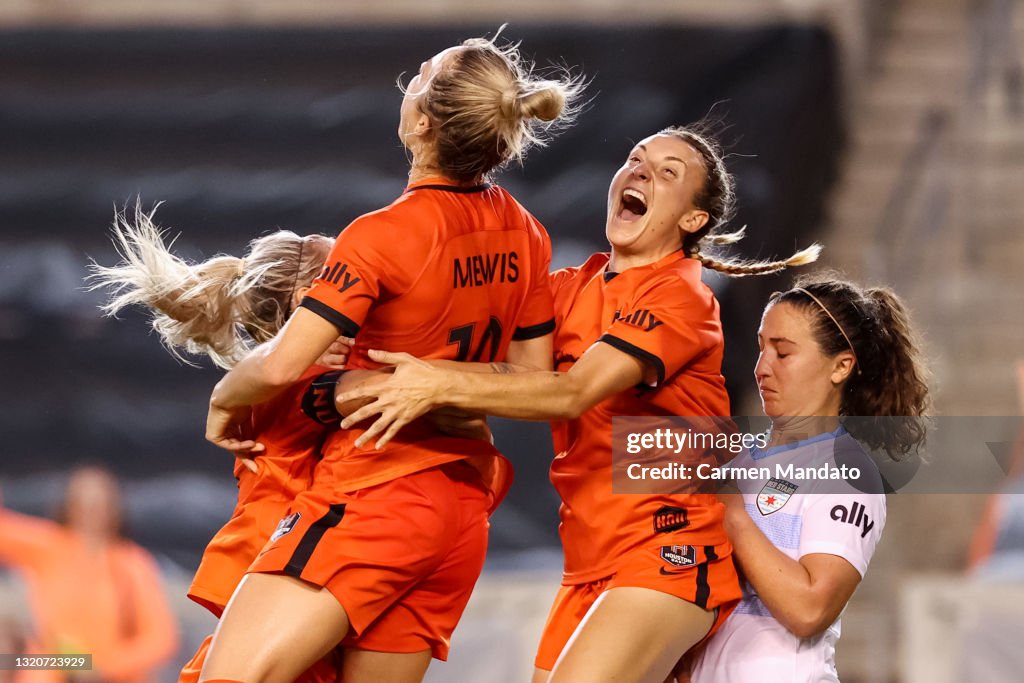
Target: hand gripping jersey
{"type": "Point", "coordinates": [292, 426]}
{"type": "Point", "coordinates": [800, 516]}
{"type": "Point", "coordinates": [444, 272]}
{"type": "Point", "coordinates": [665, 316]}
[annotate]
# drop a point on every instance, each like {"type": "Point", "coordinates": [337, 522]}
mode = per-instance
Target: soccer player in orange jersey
{"type": "Point", "coordinates": [216, 308]}
{"type": "Point", "coordinates": [383, 551]}
{"type": "Point", "coordinates": [639, 316]}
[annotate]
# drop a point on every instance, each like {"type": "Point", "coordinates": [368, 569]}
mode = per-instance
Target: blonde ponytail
{"type": "Point", "coordinates": [544, 101]}
{"type": "Point", "coordinates": [488, 108]}
{"type": "Point", "coordinates": [217, 308]}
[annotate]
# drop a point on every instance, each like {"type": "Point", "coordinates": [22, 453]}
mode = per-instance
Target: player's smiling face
{"type": "Point", "coordinates": [650, 200]}
{"type": "Point", "coordinates": [412, 120]}
{"type": "Point", "coordinates": [794, 377]}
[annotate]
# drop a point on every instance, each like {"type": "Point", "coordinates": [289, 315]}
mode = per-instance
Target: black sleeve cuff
{"type": "Point", "coordinates": [345, 325]}
{"type": "Point", "coordinates": [636, 352]}
{"type": "Point", "coordinates": [533, 331]}
{"type": "Point", "coordinates": [318, 401]}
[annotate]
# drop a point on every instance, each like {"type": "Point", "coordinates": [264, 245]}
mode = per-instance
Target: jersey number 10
{"type": "Point", "coordinates": [486, 347]}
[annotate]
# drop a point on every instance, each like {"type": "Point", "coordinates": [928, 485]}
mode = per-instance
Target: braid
{"type": "Point", "coordinates": [717, 196]}
{"type": "Point", "coordinates": [747, 267]}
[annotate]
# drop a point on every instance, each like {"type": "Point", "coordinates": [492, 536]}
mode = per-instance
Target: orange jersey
{"type": "Point", "coordinates": [444, 272]}
{"type": "Point", "coordinates": [665, 316]}
{"type": "Point", "coordinates": [292, 426]}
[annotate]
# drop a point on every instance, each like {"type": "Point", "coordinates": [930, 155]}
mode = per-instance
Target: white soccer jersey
{"type": "Point", "coordinates": [800, 516]}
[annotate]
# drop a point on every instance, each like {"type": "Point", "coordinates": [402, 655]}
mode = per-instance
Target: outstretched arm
{"type": "Point", "coordinates": [417, 387]}
{"type": "Point", "coordinates": [26, 541]}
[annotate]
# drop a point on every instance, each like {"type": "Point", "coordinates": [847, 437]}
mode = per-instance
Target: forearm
{"type": "Point", "coordinates": [26, 541]}
{"type": "Point", "coordinates": [250, 382]}
{"type": "Point", "coordinates": [783, 584]}
{"type": "Point", "coordinates": [481, 368]}
{"type": "Point", "coordinates": [517, 395]}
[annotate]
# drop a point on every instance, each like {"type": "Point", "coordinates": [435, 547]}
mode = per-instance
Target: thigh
{"type": "Point", "coordinates": [367, 666]}
{"type": "Point", "coordinates": [190, 672]}
{"type": "Point", "coordinates": [274, 628]}
{"type": "Point", "coordinates": [632, 634]}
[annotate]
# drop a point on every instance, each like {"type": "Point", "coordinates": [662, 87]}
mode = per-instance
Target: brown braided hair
{"type": "Point", "coordinates": [717, 196]}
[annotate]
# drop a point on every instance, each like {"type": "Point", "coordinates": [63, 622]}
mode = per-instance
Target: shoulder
{"type": "Point", "coordinates": [682, 282]}
{"type": "Point", "coordinates": [384, 228]}
{"type": "Point", "coordinates": [573, 277]}
{"type": "Point", "coordinates": [588, 269]}
{"type": "Point", "coordinates": [849, 453]}
{"type": "Point", "coordinates": [511, 207]}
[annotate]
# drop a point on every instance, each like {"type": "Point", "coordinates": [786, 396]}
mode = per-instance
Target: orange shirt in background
{"type": "Point", "coordinates": [444, 272]}
{"type": "Point", "coordinates": [109, 602]}
{"type": "Point", "coordinates": [665, 316]}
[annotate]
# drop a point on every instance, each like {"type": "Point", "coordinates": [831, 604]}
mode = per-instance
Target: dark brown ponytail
{"type": "Point", "coordinates": [889, 380]}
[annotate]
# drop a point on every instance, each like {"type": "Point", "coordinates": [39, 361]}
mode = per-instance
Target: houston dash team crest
{"type": "Point", "coordinates": [285, 525]}
{"type": "Point", "coordinates": [774, 495]}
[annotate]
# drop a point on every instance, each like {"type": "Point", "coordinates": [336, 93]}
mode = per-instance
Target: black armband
{"type": "Point", "coordinates": [318, 401]}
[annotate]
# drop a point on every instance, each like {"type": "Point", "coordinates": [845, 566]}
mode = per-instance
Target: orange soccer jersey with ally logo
{"type": "Point", "coordinates": [292, 427]}
{"type": "Point", "coordinates": [665, 316]}
{"type": "Point", "coordinates": [444, 272]}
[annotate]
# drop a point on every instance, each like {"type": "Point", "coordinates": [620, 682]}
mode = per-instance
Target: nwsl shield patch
{"type": "Point", "coordinates": [679, 555]}
{"type": "Point", "coordinates": [774, 495]}
{"type": "Point", "coordinates": [285, 525]}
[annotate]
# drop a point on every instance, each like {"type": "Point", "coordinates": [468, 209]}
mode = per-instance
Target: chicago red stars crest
{"type": "Point", "coordinates": [774, 495]}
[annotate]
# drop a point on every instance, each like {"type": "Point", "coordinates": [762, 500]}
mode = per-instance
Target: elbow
{"type": "Point", "coordinates": [809, 622]}
{"type": "Point", "coordinates": [279, 373]}
{"type": "Point", "coordinates": [574, 401]}
{"type": "Point", "coordinates": [568, 411]}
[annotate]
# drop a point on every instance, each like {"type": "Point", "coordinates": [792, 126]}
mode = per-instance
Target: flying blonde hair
{"type": "Point", "coordinates": [220, 307]}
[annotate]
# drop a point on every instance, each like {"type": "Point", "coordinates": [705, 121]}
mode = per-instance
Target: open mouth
{"type": "Point", "coordinates": [634, 205]}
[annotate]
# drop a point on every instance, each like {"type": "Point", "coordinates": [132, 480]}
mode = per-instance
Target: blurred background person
{"type": "Point", "coordinates": [997, 549]}
{"type": "Point", "coordinates": [90, 590]}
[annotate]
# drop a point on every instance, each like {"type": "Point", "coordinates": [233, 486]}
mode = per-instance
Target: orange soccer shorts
{"type": "Point", "coordinates": [703, 575]}
{"type": "Point", "coordinates": [401, 557]}
{"type": "Point", "coordinates": [228, 556]}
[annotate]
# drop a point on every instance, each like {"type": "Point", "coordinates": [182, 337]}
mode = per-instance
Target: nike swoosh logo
{"type": "Point", "coordinates": [668, 573]}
